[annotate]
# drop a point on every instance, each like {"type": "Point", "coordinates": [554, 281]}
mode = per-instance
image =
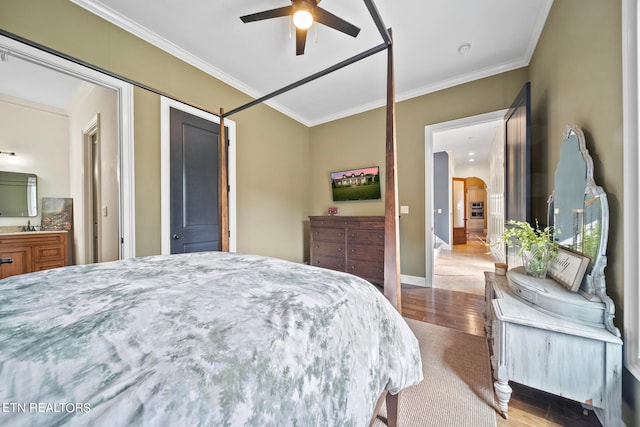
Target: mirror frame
{"type": "Point", "coordinates": [593, 287]}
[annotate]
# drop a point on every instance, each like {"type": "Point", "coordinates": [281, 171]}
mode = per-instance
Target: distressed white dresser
{"type": "Point", "coordinates": [558, 335]}
{"type": "Point", "coordinates": [543, 351]}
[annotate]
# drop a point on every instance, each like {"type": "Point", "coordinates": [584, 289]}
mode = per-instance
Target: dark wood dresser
{"type": "Point", "coordinates": [354, 244]}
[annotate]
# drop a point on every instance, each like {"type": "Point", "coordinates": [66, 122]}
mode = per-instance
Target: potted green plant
{"type": "Point", "coordinates": [536, 247]}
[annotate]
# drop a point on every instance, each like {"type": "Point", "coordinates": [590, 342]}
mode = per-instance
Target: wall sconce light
{"type": "Point", "coordinates": [8, 153]}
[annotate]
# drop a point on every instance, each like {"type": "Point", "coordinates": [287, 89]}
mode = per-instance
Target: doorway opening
{"type": "Point", "coordinates": [45, 62]}
{"type": "Point", "coordinates": [461, 148]}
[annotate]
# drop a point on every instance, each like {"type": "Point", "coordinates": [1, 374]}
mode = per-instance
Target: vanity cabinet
{"type": "Point", "coordinates": [557, 334]}
{"type": "Point", "coordinates": [15, 260]}
{"type": "Point", "coordinates": [354, 244]}
{"type": "Point", "coordinates": [27, 252]}
{"type": "Point", "coordinates": [549, 353]}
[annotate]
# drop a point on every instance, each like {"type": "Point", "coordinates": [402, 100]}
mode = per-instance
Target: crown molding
{"type": "Point", "coordinates": [425, 90]}
{"type": "Point", "coordinates": [149, 36]}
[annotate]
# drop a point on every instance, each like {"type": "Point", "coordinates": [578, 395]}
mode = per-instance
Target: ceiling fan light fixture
{"type": "Point", "coordinates": [302, 15]}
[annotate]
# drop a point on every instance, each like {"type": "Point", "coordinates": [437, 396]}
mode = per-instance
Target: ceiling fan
{"type": "Point", "coordinates": [304, 13]}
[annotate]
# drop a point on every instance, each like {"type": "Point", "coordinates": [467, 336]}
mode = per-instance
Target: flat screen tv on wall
{"type": "Point", "coordinates": [356, 184]}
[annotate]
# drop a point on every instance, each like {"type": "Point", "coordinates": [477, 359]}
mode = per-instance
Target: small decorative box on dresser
{"type": "Point", "coordinates": [25, 252]}
{"type": "Point", "coordinates": [354, 244]}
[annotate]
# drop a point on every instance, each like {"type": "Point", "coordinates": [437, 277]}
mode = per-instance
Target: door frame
{"type": "Point", "coordinates": [89, 196]}
{"type": "Point", "coordinates": [124, 95]}
{"type": "Point", "coordinates": [430, 133]}
{"type": "Point", "coordinates": [165, 169]}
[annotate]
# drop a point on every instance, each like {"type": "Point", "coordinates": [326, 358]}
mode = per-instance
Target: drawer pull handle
{"type": "Point", "coordinates": [339, 249]}
{"type": "Point", "coordinates": [317, 246]}
{"type": "Point", "coordinates": [353, 251]}
{"type": "Point", "coordinates": [6, 260]}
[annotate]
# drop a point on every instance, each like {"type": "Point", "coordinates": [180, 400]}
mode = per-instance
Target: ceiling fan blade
{"type": "Point", "coordinates": [331, 20]}
{"type": "Point", "coordinates": [301, 40]}
{"type": "Point", "coordinates": [267, 14]}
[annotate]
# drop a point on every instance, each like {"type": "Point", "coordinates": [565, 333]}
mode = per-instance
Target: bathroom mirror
{"type": "Point", "coordinates": [18, 194]}
{"type": "Point", "coordinates": [579, 211]}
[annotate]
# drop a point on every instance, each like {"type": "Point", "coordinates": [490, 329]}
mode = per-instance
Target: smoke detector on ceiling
{"type": "Point", "coordinates": [464, 48]}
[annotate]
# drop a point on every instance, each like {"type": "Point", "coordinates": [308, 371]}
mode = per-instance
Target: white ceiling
{"type": "Point", "coordinates": [259, 58]}
{"type": "Point", "coordinates": [468, 144]}
{"type": "Point", "coordinates": [24, 80]}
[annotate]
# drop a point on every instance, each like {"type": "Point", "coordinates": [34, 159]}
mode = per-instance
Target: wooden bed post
{"type": "Point", "coordinates": [223, 189]}
{"type": "Point", "coordinates": [392, 289]}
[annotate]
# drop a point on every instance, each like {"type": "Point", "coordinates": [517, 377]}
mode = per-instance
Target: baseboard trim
{"type": "Point", "coordinates": [414, 280]}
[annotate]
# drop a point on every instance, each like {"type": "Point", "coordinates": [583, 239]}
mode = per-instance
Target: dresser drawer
{"type": "Point", "coordinates": [369, 225]}
{"type": "Point", "coordinates": [369, 237]}
{"type": "Point", "coordinates": [366, 253]}
{"type": "Point", "coordinates": [370, 270]}
{"type": "Point", "coordinates": [331, 222]}
{"type": "Point", "coordinates": [327, 234]}
{"type": "Point", "coordinates": [331, 249]}
{"type": "Point", "coordinates": [328, 262]}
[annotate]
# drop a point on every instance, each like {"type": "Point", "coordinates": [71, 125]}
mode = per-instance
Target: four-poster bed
{"type": "Point", "coordinates": [392, 285]}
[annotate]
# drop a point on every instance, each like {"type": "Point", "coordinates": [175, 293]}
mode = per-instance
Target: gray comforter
{"type": "Point", "coordinates": [206, 339]}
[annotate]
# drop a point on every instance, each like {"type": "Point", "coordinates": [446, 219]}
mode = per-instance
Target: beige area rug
{"type": "Point", "coordinates": [457, 389]}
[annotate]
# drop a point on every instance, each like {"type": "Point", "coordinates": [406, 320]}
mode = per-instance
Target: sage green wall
{"type": "Point", "coordinates": [576, 75]}
{"type": "Point", "coordinates": [272, 151]}
{"type": "Point", "coordinates": [359, 141]}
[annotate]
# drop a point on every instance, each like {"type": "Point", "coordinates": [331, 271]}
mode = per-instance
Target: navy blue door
{"type": "Point", "coordinates": [194, 183]}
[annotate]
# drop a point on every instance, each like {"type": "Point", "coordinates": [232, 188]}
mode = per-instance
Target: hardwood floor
{"type": "Point", "coordinates": [464, 312]}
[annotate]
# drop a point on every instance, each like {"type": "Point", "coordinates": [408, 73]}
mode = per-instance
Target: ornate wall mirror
{"type": "Point", "coordinates": [579, 211]}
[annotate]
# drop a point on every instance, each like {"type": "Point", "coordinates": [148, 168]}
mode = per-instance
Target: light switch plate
{"type": "Point", "coordinates": [404, 210]}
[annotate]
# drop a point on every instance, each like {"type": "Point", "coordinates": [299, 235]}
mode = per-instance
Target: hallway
{"type": "Point", "coordinates": [462, 268]}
